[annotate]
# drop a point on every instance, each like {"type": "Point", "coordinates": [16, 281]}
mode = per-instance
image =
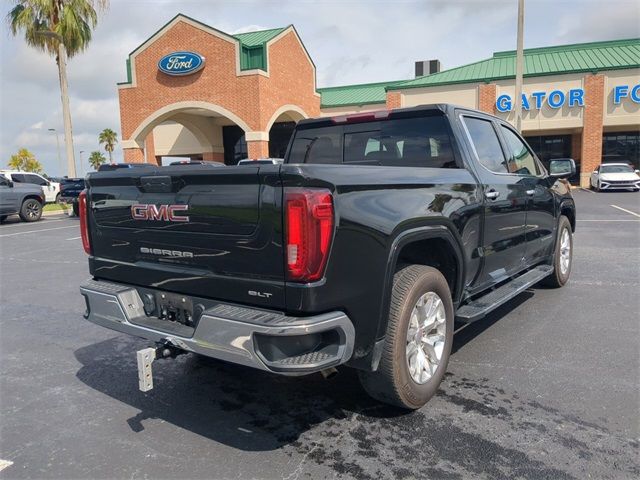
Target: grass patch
{"type": "Point", "coordinates": [56, 207]}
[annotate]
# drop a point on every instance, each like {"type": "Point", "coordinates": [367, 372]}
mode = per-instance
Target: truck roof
{"type": "Point", "coordinates": [373, 115]}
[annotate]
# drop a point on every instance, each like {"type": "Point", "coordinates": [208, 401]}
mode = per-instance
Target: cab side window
{"type": "Point", "coordinates": [486, 144]}
{"type": "Point", "coordinates": [35, 179]}
{"type": "Point", "coordinates": [521, 161]}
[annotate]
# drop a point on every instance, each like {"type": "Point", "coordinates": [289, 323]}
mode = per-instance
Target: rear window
{"type": "Point", "coordinates": [404, 142]}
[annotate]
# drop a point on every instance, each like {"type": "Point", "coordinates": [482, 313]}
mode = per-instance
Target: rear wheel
{"type": "Point", "coordinates": [76, 208]}
{"type": "Point", "coordinates": [31, 210]}
{"type": "Point", "coordinates": [3, 218]}
{"type": "Point", "coordinates": [563, 257]}
{"type": "Point", "coordinates": [418, 339]}
{"type": "Point", "coordinates": [58, 198]}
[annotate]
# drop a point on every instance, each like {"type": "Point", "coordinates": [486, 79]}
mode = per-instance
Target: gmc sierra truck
{"type": "Point", "coordinates": [376, 234]}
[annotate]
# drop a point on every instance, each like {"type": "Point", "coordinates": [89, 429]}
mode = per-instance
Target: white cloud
{"type": "Point", "coordinates": [248, 28]}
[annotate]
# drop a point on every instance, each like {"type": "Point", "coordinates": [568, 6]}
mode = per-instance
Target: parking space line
{"type": "Point", "coordinates": [23, 224]}
{"type": "Point", "coordinates": [73, 238]}
{"type": "Point", "coordinates": [36, 231]}
{"type": "Point", "coordinates": [587, 190]}
{"type": "Point", "coordinates": [628, 211]}
{"type": "Point", "coordinates": [607, 220]}
{"type": "Point", "coordinates": [4, 464]}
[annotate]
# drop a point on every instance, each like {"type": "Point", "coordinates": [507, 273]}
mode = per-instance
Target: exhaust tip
{"type": "Point", "coordinates": [328, 373]}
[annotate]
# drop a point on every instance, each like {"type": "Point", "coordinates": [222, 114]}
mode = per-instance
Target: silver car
{"type": "Point", "coordinates": [615, 176]}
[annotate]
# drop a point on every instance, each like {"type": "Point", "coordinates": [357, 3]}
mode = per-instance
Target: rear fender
{"type": "Point", "coordinates": [403, 239]}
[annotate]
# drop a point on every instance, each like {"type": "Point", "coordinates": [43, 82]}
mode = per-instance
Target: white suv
{"type": "Point", "coordinates": [51, 189]}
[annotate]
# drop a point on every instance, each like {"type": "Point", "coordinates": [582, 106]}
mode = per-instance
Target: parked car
{"type": "Point", "coordinates": [25, 199]}
{"type": "Point", "coordinates": [70, 191]}
{"type": "Point", "coordinates": [51, 189]}
{"type": "Point", "coordinates": [107, 167]}
{"type": "Point", "coordinates": [261, 161]}
{"type": "Point", "coordinates": [377, 232]}
{"type": "Point", "coordinates": [615, 176]}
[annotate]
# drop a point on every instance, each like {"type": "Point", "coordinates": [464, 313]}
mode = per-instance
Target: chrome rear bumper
{"type": "Point", "coordinates": [256, 338]}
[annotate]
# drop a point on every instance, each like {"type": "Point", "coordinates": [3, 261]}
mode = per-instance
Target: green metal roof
{"type": "Point", "coordinates": [254, 39]}
{"type": "Point", "coordinates": [364, 94]}
{"type": "Point", "coordinates": [562, 59]}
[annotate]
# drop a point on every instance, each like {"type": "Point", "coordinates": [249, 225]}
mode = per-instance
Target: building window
{"type": "Point", "coordinates": [621, 147]}
{"type": "Point", "coordinates": [550, 147]}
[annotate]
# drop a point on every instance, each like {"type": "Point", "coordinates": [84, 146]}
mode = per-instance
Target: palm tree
{"type": "Point", "coordinates": [96, 159]}
{"type": "Point", "coordinates": [61, 28]}
{"type": "Point", "coordinates": [109, 138]}
{"type": "Point", "coordinates": [26, 161]}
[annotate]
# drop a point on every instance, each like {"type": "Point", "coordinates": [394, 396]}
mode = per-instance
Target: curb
{"type": "Point", "coordinates": [56, 213]}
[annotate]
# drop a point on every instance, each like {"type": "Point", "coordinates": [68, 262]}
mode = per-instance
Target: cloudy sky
{"type": "Point", "coordinates": [351, 41]}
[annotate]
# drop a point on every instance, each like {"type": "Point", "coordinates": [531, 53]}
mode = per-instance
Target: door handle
{"type": "Point", "coordinates": [531, 193]}
{"type": "Point", "coordinates": [492, 194]}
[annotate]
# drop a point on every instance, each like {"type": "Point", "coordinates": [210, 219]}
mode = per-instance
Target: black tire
{"type": "Point", "coordinates": [392, 382]}
{"type": "Point", "coordinates": [76, 208]}
{"type": "Point", "coordinates": [31, 210]}
{"type": "Point", "coordinates": [58, 198]}
{"type": "Point", "coordinates": [3, 218]}
{"type": "Point", "coordinates": [559, 278]}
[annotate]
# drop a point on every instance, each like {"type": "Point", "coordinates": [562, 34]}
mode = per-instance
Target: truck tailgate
{"type": "Point", "coordinates": [208, 231]}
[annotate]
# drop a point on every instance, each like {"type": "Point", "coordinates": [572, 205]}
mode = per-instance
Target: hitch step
{"type": "Point", "coordinates": [146, 356]}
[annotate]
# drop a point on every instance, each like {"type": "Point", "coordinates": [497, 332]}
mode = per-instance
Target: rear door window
{"type": "Point", "coordinates": [18, 178]}
{"type": "Point", "coordinates": [486, 144]}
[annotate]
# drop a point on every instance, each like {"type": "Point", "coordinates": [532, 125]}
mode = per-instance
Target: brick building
{"type": "Point", "coordinates": [580, 101]}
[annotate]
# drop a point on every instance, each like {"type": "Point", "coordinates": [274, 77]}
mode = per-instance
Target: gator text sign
{"type": "Point", "coordinates": [181, 63]}
{"type": "Point", "coordinates": [559, 98]}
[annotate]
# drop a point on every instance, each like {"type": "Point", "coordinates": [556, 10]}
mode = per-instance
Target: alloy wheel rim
{"type": "Point", "coordinates": [425, 337]}
{"type": "Point", "coordinates": [565, 252]}
{"type": "Point", "coordinates": [32, 210]}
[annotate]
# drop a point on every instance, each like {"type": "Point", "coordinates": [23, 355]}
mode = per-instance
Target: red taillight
{"type": "Point", "coordinates": [309, 229]}
{"type": "Point", "coordinates": [84, 226]}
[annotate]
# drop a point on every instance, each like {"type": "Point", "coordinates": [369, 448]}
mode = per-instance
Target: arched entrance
{"type": "Point", "coordinates": [280, 128]}
{"type": "Point", "coordinates": [196, 130]}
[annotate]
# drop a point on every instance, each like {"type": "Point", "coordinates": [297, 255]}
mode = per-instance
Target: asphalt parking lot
{"type": "Point", "coordinates": [546, 387]}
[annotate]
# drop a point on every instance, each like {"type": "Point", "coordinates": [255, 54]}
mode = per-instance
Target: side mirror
{"type": "Point", "coordinates": [10, 184]}
{"type": "Point", "coordinates": [562, 168]}
{"type": "Point", "coordinates": [595, 171]}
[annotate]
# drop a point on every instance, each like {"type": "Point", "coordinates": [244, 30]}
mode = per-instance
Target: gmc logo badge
{"type": "Point", "coordinates": [166, 213]}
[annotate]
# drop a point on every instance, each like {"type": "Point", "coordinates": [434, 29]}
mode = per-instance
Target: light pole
{"type": "Point", "coordinates": [58, 148]}
{"type": "Point", "coordinates": [519, 64]}
{"type": "Point", "coordinates": [81, 167]}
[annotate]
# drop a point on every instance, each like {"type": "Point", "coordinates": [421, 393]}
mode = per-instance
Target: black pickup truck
{"type": "Point", "coordinates": [378, 232]}
{"type": "Point", "coordinates": [70, 189]}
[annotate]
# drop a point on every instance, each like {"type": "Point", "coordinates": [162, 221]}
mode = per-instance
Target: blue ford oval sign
{"type": "Point", "coordinates": [181, 63]}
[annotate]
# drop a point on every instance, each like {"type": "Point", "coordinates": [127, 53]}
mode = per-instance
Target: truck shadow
{"type": "Point", "coordinates": [237, 406]}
